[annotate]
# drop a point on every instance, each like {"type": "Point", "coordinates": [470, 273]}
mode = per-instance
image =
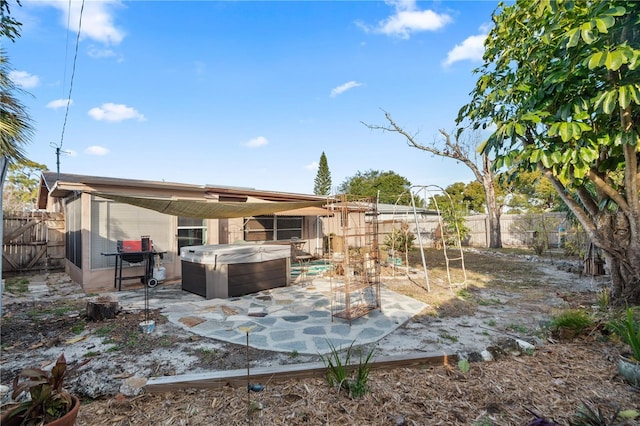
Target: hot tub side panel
{"type": "Point", "coordinates": [246, 278]}
{"type": "Point", "coordinates": [202, 279]}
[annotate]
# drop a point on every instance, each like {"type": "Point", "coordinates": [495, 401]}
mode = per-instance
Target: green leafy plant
{"type": "Point", "coordinates": [575, 320]}
{"type": "Point", "coordinates": [588, 416]}
{"type": "Point", "coordinates": [400, 239]}
{"type": "Point", "coordinates": [49, 400]}
{"type": "Point", "coordinates": [628, 330]}
{"type": "Point", "coordinates": [464, 365]}
{"type": "Point", "coordinates": [340, 372]}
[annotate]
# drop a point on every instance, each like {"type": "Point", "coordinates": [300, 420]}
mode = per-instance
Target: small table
{"type": "Point", "coordinates": [146, 257]}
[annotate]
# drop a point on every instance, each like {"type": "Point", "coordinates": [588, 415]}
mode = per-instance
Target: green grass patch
{"type": "Point", "coordinates": [16, 285]}
{"type": "Point", "coordinates": [518, 328]}
{"type": "Point", "coordinates": [207, 355]}
{"type": "Point", "coordinates": [78, 328]}
{"type": "Point", "coordinates": [104, 331]}
{"type": "Point", "coordinates": [448, 336]}
{"type": "Point", "coordinates": [573, 319]}
{"type": "Point", "coordinates": [464, 294]}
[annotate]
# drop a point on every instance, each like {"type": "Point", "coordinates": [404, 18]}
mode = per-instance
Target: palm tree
{"type": "Point", "coordinates": [15, 124]}
{"type": "Point", "coordinates": [15, 131]}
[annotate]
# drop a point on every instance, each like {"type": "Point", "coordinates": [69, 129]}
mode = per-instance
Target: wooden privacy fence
{"type": "Point", "coordinates": [32, 241]}
{"type": "Point", "coordinates": [512, 235]}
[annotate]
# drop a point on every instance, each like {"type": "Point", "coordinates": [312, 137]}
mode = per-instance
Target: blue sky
{"type": "Point", "coordinates": [248, 94]}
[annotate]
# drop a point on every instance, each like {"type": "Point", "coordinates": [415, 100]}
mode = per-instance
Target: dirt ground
{"type": "Point", "coordinates": [505, 296]}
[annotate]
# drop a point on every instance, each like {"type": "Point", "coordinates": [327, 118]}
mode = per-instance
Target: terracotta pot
{"type": "Point", "coordinates": [630, 370]}
{"type": "Point", "coordinates": [68, 419]}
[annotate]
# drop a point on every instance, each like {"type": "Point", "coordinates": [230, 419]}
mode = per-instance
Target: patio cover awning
{"type": "Point", "coordinates": [220, 210]}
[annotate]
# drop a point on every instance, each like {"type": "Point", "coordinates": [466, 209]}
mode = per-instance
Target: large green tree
{"type": "Point", "coordinates": [389, 187]}
{"type": "Point", "coordinates": [21, 187]}
{"type": "Point", "coordinates": [560, 83]}
{"type": "Point", "coordinates": [322, 182]}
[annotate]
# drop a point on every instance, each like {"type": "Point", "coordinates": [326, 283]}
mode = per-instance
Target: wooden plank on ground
{"type": "Point", "coordinates": [238, 378]}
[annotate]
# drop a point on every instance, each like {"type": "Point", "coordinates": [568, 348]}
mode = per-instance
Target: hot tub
{"type": "Point", "coordinates": [223, 270]}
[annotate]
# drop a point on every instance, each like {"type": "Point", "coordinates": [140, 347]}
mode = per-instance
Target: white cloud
{"type": "Point", "coordinates": [408, 19]}
{"type": "Point", "coordinates": [115, 112]}
{"type": "Point", "coordinates": [344, 87]}
{"type": "Point", "coordinates": [97, 53]}
{"type": "Point", "coordinates": [96, 150]}
{"type": "Point", "coordinates": [59, 103]}
{"type": "Point", "coordinates": [312, 166]}
{"type": "Point", "coordinates": [472, 48]}
{"type": "Point", "coordinates": [97, 19]}
{"type": "Point", "coordinates": [24, 79]}
{"type": "Point", "coordinates": [257, 142]}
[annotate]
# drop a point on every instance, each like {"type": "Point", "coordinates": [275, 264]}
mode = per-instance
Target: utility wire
{"type": "Point", "coordinates": [66, 48]}
{"type": "Point", "coordinates": [73, 73]}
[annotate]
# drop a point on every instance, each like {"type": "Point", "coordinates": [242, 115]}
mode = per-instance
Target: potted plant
{"type": "Point", "coordinates": [50, 403]}
{"type": "Point", "coordinates": [628, 330]}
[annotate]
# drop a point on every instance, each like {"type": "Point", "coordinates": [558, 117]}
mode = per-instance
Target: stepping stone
{"type": "Point", "coordinates": [315, 331]}
{"type": "Point", "coordinates": [295, 318]}
{"type": "Point", "coordinates": [191, 321]}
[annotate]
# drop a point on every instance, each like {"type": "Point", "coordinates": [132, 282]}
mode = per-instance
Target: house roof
{"type": "Point", "coordinates": [182, 199]}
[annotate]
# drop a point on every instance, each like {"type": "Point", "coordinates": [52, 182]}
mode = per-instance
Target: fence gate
{"type": "Point", "coordinates": [32, 242]}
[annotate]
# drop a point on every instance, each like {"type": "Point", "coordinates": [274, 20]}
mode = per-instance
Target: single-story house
{"type": "Point", "coordinates": [100, 211]}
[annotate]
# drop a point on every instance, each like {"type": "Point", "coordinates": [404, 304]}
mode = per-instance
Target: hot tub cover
{"type": "Point", "coordinates": [219, 254]}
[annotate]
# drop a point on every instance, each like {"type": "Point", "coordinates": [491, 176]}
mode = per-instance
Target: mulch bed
{"type": "Point", "coordinates": [555, 383]}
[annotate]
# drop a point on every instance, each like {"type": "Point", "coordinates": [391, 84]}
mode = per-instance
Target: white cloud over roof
{"type": "Point", "coordinates": [257, 142]}
{"type": "Point", "coordinates": [408, 19]}
{"type": "Point", "coordinates": [24, 79]}
{"type": "Point", "coordinates": [344, 87]}
{"type": "Point", "coordinates": [472, 48]}
{"type": "Point", "coordinates": [59, 103]}
{"type": "Point", "coordinates": [115, 112]}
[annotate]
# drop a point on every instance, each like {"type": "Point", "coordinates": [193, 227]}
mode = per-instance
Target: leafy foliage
{"type": "Point", "coordinates": [560, 85]}
{"type": "Point", "coordinates": [574, 319]}
{"type": "Point", "coordinates": [628, 330]}
{"type": "Point", "coordinates": [49, 399]}
{"type": "Point", "coordinates": [9, 27]}
{"type": "Point", "coordinates": [21, 188]}
{"type": "Point", "coordinates": [322, 182]}
{"type": "Point", "coordinates": [17, 128]}
{"type": "Point", "coordinates": [400, 239]}
{"type": "Point", "coordinates": [387, 186]}
{"type": "Point", "coordinates": [339, 371]}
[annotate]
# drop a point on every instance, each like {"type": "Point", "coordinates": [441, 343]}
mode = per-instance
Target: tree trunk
{"type": "Point", "coordinates": [101, 308]}
{"type": "Point", "coordinates": [493, 210]}
{"type": "Point", "coordinates": [622, 256]}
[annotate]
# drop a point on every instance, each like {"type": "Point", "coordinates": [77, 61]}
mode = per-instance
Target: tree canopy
{"type": "Point", "coordinates": [21, 188]}
{"type": "Point", "coordinates": [560, 88]}
{"type": "Point", "coordinates": [322, 182]}
{"type": "Point", "coordinates": [387, 186]}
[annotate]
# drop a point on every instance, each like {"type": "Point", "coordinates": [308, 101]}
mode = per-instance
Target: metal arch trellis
{"type": "Point", "coordinates": [393, 241]}
{"type": "Point", "coordinates": [414, 190]}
